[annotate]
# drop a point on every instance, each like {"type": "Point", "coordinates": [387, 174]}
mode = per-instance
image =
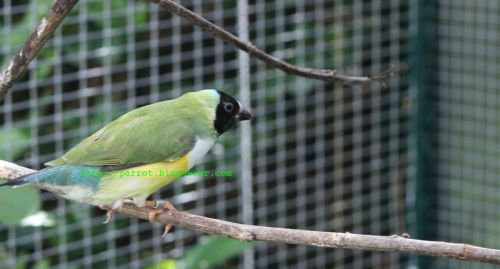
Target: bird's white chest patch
{"type": "Point", "coordinates": [200, 149]}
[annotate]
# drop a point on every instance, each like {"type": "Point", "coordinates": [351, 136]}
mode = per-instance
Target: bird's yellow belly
{"type": "Point", "coordinates": [139, 182]}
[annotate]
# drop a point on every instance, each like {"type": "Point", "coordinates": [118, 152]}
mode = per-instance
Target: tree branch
{"type": "Point", "coordinates": [18, 65]}
{"type": "Point", "coordinates": [218, 32]}
{"type": "Point", "coordinates": [299, 237]}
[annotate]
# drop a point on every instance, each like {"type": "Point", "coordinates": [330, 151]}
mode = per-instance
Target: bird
{"type": "Point", "coordinates": [123, 161]}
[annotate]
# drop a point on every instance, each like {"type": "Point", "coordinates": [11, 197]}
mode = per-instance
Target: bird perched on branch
{"type": "Point", "coordinates": [125, 158]}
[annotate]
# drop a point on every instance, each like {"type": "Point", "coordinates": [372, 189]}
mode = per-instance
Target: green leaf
{"type": "Point", "coordinates": [22, 28]}
{"type": "Point", "coordinates": [44, 67]}
{"type": "Point", "coordinates": [209, 252]}
{"type": "Point", "coordinates": [42, 264]}
{"type": "Point", "coordinates": [18, 203]}
{"type": "Point", "coordinates": [213, 250]}
{"type": "Point", "coordinates": [21, 262]}
{"type": "Point", "coordinates": [167, 264]}
{"type": "Point", "coordinates": [17, 142]}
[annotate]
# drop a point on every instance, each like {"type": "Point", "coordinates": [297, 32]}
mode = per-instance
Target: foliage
{"type": "Point", "coordinates": [17, 204]}
{"type": "Point", "coordinates": [20, 202]}
{"type": "Point", "coordinates": [211, 251]}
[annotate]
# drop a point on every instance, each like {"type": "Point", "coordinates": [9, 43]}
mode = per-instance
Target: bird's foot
{"type": "Point", "coordinates": [109, 214]}
{"type": "Point", "coordinates": [159, 206]}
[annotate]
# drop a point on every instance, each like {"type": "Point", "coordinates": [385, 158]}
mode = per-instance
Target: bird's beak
{"type": "Point", "coordinates": [244, 115]}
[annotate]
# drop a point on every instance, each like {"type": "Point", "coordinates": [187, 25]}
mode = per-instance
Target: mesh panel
{"type": "Point", "coordinates": [325, 157]}
{"type": "Point", "coordinates": [331, 157]}
{"type": "Point", "coordinates": [467, 140]}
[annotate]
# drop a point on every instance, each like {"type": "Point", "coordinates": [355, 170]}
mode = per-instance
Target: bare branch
{"type": "Point", "coordinates": [18, 65]}
{"type": "Point", "coordinates": [299, 237]}
{"type": "Point", "coordinates": [218, 32]}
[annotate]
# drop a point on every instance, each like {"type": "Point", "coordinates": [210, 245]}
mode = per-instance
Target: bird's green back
{"type": "Point", "coordinates": [162, 131]}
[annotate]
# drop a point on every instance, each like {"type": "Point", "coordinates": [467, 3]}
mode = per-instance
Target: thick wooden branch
{"type": "Point", "coordinates": [18, 65]}
{"type": "Point", "coordinates": [218, 32]}
{"type": "Point", "coordinates": [299, 237]}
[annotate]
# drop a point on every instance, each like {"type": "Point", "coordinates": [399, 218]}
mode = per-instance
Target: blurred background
{"type": "Point", "coordinates": [418, 156]}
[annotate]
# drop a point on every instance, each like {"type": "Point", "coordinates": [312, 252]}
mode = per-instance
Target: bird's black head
{"type": "Point", "coordinates": [228, 111]}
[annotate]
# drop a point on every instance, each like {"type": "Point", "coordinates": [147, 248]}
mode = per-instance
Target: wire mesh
{"type": "Point", "coordinates": [324, 157]}
{"type": "Point", "coordinates": [467, 133]}
{"type": "Point", "coordinates": [331, 158]}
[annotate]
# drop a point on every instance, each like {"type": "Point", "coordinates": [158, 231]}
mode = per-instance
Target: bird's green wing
{"type": "Point", "coordinates": [133, 140]}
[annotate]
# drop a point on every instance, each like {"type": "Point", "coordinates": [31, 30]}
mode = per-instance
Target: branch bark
{"type": "Point", "coordinates": [319, 74]}
{"type": "Point", "coordinates": [299, 237]}
{"type": "Point", "coordinates": [18, 65]}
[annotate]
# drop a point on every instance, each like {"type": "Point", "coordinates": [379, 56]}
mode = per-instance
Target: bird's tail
{"type": "Point", "coordinates": [17, 182]}
{"type": "Point", "coordinates": [61, 175]}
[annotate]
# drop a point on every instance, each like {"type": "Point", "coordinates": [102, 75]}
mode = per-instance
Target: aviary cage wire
{"type": "Point", "coordinates": [324, 157]}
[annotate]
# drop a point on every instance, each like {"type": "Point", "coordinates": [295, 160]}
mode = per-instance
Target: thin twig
{"type": "Point", "coordinates": [218, 32]}
{"type": "Point", "coordinates": [299, 237]}
{"type": "Point", "coordinates": [18, 65]}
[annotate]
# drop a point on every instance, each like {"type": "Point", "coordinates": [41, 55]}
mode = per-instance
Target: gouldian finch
{"type": "Point", "coordinates": [125, 158]}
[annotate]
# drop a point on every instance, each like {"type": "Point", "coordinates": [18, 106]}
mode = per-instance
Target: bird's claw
{"type": "Point", "coordinates": [167, 229]}
{"type": "Point", "coordinates": [109, 214]}
{"type": "Point", "coordinates": [153, 213]}
{"type": "Point", "coordinates": [159, 206]}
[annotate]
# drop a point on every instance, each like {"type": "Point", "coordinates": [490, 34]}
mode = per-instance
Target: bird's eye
{"type": "Point", "coordinates": [228, 107]}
